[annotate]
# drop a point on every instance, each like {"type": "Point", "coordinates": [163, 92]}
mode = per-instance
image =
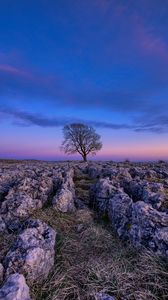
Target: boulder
{"type": "Point", "coordinates": [6, 182]}
{"type": "Point", "coordinates": [100, 194]}
{"type": "Point", "coordinates": [32, 254]}
{"type": "Point", "coordinates": [64, 201]}
{"type": "Point", "coordinates": [134, 189]}
{"type": "Point", "coordinates": [65, 195]}
{"type": "Point", "coordinates": [30, 194]}
{"type": "Point", "coordinates": [103, 188]}
{"type": "Point", "coordinates": [149, 192]}
{"type": "Point", "coordinates": [153, 193]}
{"type": "Point", "coordinates": [15, 288]}
{"type": "Point", "coordinates": [120, 213]}
{"type": "Point", "coordinates": [148, 226]}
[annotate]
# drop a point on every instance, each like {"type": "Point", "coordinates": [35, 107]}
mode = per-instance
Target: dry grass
{"type": "Point", "coordinates": [154, 179]}
{"type": "Point", "coordinates": [165, 203]}
{"type": "Point", "coordinates": [90, 258]}
{"type": "Point", "coordinates": [6, 240]}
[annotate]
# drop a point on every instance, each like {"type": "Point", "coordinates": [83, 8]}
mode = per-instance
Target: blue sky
{"type": "Point", "coordinates": [103, 62]}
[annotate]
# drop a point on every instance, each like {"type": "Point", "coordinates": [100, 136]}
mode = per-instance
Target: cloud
{"type": "Point", "coordinates": [54, 90]}
{"type": "Point", "coordinates": [150, 43]}
{"type": "Point", "coordinates": [8, 69]}
{"type": "Point", "coordinates": [126, 95]}
{"type": "Point", "coordinates": [27, 84]}
{"type": "Point", "coordinates": [23, 118]}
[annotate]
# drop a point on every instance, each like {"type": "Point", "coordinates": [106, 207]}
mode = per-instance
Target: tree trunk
{"type": "Point", "coordinates": [84, 157]}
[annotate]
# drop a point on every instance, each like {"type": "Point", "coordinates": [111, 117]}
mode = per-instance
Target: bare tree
{"type": "Point", "coordinates": [82, 139]}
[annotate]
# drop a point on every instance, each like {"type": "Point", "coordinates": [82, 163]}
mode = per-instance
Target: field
{"type": "Point", "coordinates": [96, 230]}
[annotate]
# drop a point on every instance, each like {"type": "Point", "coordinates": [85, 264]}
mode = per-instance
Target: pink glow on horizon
{"type": "Point", "coordinates": [140, 153]}
{"type": "Point", "coordinates": [47, 147]}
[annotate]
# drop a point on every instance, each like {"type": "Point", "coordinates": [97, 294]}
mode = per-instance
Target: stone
{"type": "Point", "coordinates": [93, 172]}
{"type": "Point", "coordinates": [33, 252]}
{"type": "Point", "coordinates": [149, 192]}
{"type": "Point", "coordinates": [134, 189]}
{"type": "Point", "coordinates": [30, 194]}
{"type": "Point", "coordinates": [100, 194]}
{"type": "Point", "coordinates": [161, 241]}
{"type": "Point", "coordinates": [2, 225]}
{"type": "Point", "coordinates": [147, 223]}
{"type": "Point", "coordinates": [15, 288]}
{"type": "Point", "coordinates": [103, 188]}
{"type": "Point", "coordinates": [103, 296]}
{"type": "Point", "coordinates": [153, 193]}
{"type": "Point", "coordinates": [120, 213]}
{"type": "Point", "coordinates": [64, 201]}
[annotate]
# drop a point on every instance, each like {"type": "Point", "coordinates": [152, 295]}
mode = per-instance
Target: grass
{"type": "Point", "coordinates": [165, 203]}
{"type": "Point", "coordinates": [6, 241]}
{"type": "Point", "coordinates": [91, 258]}
{"type": "Point", "coordinates": [156, 180]}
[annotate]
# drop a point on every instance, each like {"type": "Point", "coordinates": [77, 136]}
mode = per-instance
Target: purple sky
{"type": "Point", "coordinates": [103, 62]}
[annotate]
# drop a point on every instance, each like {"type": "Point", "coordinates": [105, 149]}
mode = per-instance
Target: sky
{"type": "Point", "coordinates": [99, 62]}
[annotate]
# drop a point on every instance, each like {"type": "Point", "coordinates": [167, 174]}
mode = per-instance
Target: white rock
{"type": "Point", "coordinates": [32, 254]}
{"type": "Point", "coordinates": [15, 288]}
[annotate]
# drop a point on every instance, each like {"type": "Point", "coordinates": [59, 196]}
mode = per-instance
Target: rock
{"type": "Point", "coordinates": [100, 194]}
{"type": "Point", "coordinates": [93, 172]}
{"type": "Point", "coordinates": [124, 175]}
{"type": "Point", "coordinates": [68, 178]}
{"type": "Point", "coordinates": [120, 213]}
{"type": "Point", "coordinates": [6, 182]}
{"type": "Point", "coordinates": [1, 273]}
{"type": "Point", "coordinates": [30, 194]}
{"type": "Point", "coordinates": [15, 288]}
{"type": "Point", "coordinates": [147, 223]}
{"type": "Point", "coordinates": [153, 193]}
{"type": "Point", "coordinates": [161, 241]}
{"type": "Point", "coordinates": [137, 172]}
{"type": "Point", "coordinates": [65, 196]}
{"type": "Point", "coordinates": [103, 188]}
{"type": "Point", "coordinates": [151, 174]}
{"type": "Point", "coordinates": [64, 201]}
{"type": "Point", "coordinates": [149, 192]}
{"type": "Point", "coordinates": [32, 254]}
{"type": "Point", "coordinates": [134, 189]}
{"type": "Point", "coordinates": [2, 225]}
{"type": "Point", "coordinates": [103, 296]}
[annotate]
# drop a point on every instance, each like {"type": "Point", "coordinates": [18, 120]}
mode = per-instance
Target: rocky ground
{"type": "Point", "coordinates": [71, 230]}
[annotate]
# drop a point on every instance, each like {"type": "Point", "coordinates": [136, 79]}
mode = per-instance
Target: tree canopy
{"type": "Point", "coordinates": [80, 138]}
